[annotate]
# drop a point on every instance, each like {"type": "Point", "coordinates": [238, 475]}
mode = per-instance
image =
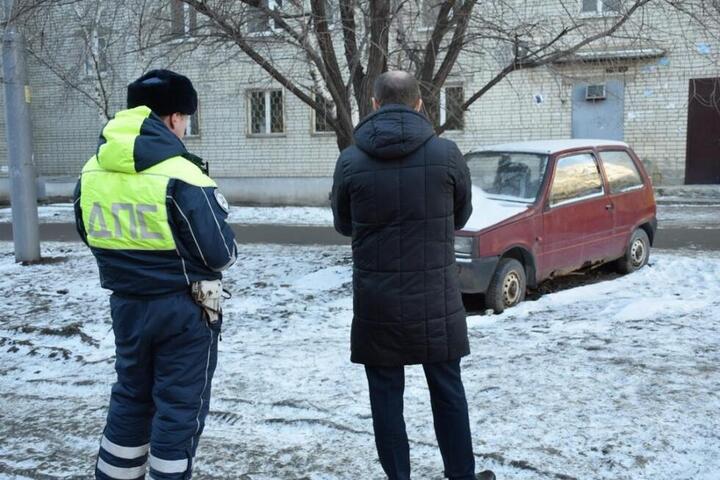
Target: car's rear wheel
{"type": "Point", "coordinates": [507, 287]}
{"type": "Point", "coordinates": [637, 253]}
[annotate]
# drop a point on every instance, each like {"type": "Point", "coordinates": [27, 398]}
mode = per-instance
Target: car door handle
{"type": "Point", "coordinates": [609, 206]}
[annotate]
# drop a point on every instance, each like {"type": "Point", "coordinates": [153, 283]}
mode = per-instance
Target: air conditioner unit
{"type": "Point", "coordinates": [595, 92]}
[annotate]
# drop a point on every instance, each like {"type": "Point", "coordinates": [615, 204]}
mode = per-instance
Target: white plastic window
{"type": "Point", "coordinates": [184, 19]}
{"type": "Point", "coordinates": [96, 61]}
{"type": "Point", "coordinates": [601, 6]}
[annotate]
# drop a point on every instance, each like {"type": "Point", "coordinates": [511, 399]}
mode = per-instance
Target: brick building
{"type": "Point", "coordinates": [654, 90]}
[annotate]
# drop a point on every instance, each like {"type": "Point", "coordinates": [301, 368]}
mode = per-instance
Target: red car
{"type": "Point", "coordinates": [547, 208]}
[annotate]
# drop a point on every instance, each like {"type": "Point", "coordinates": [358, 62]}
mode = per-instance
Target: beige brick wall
{"type": "Point", "coordinates": [66, 125]}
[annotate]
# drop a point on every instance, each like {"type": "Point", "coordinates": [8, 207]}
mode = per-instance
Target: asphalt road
{"type": "Point", "coordinates": [668, 238]}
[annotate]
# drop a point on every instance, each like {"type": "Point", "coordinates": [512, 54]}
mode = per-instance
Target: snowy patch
{"type": "Point", "coordinates": [688, 216]}
{"type": "Point", "coordinates": [316, 216]}
{"type": "Point", "coordinates": [55, 213]}
{"type": "Point", "coordinates": [488, 211]}
{"type": "Point", "coordinates": [325, 279]}
{"type": "Point", "coordinates": [618, 379]}
{"type": "Point", "coordinates": [281, 215]}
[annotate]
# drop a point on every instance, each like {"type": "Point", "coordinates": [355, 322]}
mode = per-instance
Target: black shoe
{"type": "Point", "coordinates": [485, 475]}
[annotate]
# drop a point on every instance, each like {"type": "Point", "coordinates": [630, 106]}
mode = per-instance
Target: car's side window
{"type": "Point", "coordinates": [622, 174]}
{"type": "Point", "coordinates": [576, 177]}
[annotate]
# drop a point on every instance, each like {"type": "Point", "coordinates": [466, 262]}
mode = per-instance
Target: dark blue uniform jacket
{"type": "Point", "coordinates": [205, 242]}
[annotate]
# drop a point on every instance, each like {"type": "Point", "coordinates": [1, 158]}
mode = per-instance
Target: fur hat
{"type": "Point", "coordinates": [164, 92]}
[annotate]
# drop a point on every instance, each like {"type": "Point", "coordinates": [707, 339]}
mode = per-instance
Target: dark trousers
{"type": "Point", "coordinates": [450, 416]}
{"type": "Point", "coordinates": [166, 354]}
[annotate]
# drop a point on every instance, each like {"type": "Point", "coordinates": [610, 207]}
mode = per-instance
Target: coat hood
{"type": "Point", "coordinates": [393, 131]}
{"type": "Point", "coordinates": [135, 140]}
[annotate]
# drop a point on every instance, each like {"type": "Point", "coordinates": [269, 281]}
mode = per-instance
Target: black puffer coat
{"type": "Point", "coordinates": [401, 192]}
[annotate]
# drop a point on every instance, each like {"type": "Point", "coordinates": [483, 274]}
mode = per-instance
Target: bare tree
{"type": "Point", "coordinates": [429, 38]}
{"type": "Point", "coordinates": [328, 53]}
{"type": "Point", "coordinates": [85, 44]}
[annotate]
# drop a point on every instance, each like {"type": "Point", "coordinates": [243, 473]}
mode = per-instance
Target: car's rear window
{"type": "Point", "coordinates": [621, 172]}
{"type": "Point", "coordinates": [510, 176]}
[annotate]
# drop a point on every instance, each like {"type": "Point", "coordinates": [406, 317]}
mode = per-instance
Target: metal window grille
{"type": "Point", "coordinates": [257, 112]}
{"type": "Point", "coordinates": [321, 120]}
{"type": "Point", "coordinates": [451, 111]}
{"type": "Point", "coordinates": [277, 120]}
{"type": "Point", "coordinates": [267, 112]}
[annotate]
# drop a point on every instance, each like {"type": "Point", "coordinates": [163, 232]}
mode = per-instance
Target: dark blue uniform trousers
{"type": "Point", "coordinates": [165, 358]}
{"type": "Point", "coordinates": [450, 415]}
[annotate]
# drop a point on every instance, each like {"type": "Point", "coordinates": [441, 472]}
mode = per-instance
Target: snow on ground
{"type": "Point", "coordinates": [63, 213]}
{"type": "Point", "coordinates": [54, 213]}
{"type": "Point", "coordinates": [669, 216]}
{"type": "Point", "coordinates": [689, 216]}
{"type": "Point", "coordinates": [614, 380]}
{"type": "Point", "coordinates": [281, 215]}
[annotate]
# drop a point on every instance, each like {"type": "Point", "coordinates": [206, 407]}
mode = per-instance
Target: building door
{"type": "Point", "coordinates": [702, 161]}
{"type": "Point", "coordinates": [598, 109]}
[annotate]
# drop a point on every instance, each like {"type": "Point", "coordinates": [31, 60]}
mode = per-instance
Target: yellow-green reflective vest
{"type": "Point", "coordinates": [123, 209]}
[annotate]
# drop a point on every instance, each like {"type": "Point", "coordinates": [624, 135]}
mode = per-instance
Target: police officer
{"type": "Point", "coordinates": [156, 224]}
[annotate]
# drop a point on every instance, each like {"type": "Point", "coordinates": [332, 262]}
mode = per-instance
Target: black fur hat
{"type": "Point", "coordinates": [164, 92]}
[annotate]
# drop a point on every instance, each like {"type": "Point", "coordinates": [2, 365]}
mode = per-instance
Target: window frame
{"type": "Point", "coordinates": [442, 105]}
{"type": "Point", "coordinates": [571, 201]}
{"type": "Point", "coordinates": [92, 46]}
{"type": "Point", "coordinates": [422, 14]}
{"type": "Point", "coordinates": [196, 123]}
{"type": "Point", "coordinates": [268, 112]}
{"type": "Point", "coordinates": [600, 10]}
{"type": "Point", "coordinates": [187, 21]}
{"type": "Point", "coordinates": [271, 27]}
{"type": "Point", "coordinates": [313, 123]}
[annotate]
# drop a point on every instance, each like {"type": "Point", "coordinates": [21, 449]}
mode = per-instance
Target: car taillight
{"type": "Point", "coordinates": [464, 245]}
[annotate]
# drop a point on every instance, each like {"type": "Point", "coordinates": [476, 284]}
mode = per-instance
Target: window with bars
{"type": "Point", "coordinates": [266, 112]}
{"type": "Point", "coordinates": [96, 60]}
{"type": "Point", "coordinates": [321, 124]}
{"type": "Point", "coordinates": [193, 125]}
{"type": "Point", "coordinates": [184, 19]}
{"type": "Point", "coordinates": [259, 20]}
{"type": "Point", "coordinates": [601, 6]}
{"type": "Point", "coordinates": [451, 112]}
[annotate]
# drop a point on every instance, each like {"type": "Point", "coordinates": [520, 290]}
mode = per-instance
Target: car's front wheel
{"type": "Point", "coordinates": [507, 287]}
{"type": "Point", "coordinates": [637, 253]}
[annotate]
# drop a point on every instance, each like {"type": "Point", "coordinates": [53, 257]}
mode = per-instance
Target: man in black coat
{"type": "Point", "coordinates": [401, 192]}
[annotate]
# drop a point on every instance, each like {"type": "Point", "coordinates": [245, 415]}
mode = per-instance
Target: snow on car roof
{"type": "Point", "coordinates": [548, 146]}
